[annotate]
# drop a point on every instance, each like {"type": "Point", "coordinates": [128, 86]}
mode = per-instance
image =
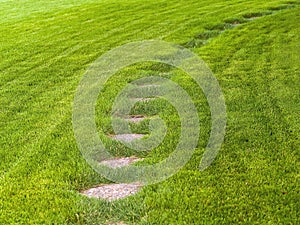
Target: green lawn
{"type": "Point", "coordinates": [45, 48]}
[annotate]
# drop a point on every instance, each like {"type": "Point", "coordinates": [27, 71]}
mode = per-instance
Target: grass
{"type": "Point", "coordinates": [46, 46]}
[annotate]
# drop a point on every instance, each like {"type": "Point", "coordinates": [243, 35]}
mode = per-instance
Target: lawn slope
{"type": "Point", "coordinates": [45, 48]}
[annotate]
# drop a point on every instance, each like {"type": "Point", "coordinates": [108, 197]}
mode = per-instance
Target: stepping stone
{"type": "Point", "coordinates": [253, 18]}
{"type": "Point", "coordinates": [149, 85]}
{"type": "Point", "coordinates": [136, 119]}
{"type": "Point", "coordinates": [115, 223]}
{"type": "Point", "coordinates": [127, 137]}
{"type": "Point", "coordinates": [112, 192]}
{"type": "Point", "coordinates": [235, 24]}
{"type": "Point", "coordinates": [143, 99]}
{"type": "Point", "coordinates": [120, 162]}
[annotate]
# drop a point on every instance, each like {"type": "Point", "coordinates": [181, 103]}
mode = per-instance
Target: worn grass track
{"type": "Point", "coordinates": [46, 46]}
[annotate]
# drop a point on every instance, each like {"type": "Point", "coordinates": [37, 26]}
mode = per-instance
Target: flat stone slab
{"type": "Point", "coordinates": [143, 99]}
{"type": "Point", "coordinates": [136, 119]}
{"type": "Point", "coordinates": [117, 223]}
{"type": "Point", "coordinates": [112, 192]}
{"type": "Point", "coordinates": [253, 18]}
{"type": "Point", "coordinates": [127, 137]}
{"type": "Point", "coordinates": [120, 162]}
{"type": "Point", "coordinates": [149, 85]}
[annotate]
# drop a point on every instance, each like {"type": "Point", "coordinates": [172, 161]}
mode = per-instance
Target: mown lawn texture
{"type": "Point", "coordinates": [253, 49]}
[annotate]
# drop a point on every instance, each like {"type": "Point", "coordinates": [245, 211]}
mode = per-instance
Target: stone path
{"type": "Point", "coordinates": [112, 192]}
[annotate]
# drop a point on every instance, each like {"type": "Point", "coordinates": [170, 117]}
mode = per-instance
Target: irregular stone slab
{"type": "Point", "coordinates": [136, 118]}
{"type": "Point", "coordinates": [112, 192]}
{"type": "Point", "coordinates": [143, 99]}
{"type": "Point", "coordinates": [127, 137]}
{"type": "Point", "coordinates": [149, 85]}
{"type": "Point", "coordinates": [120, 162]}
{"type": "Point", "coordinates": [253, 18]}
{"type": "Point", "coordinates": [117, 223]}
{"type": "Point", "coordinates": [235, 24]}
